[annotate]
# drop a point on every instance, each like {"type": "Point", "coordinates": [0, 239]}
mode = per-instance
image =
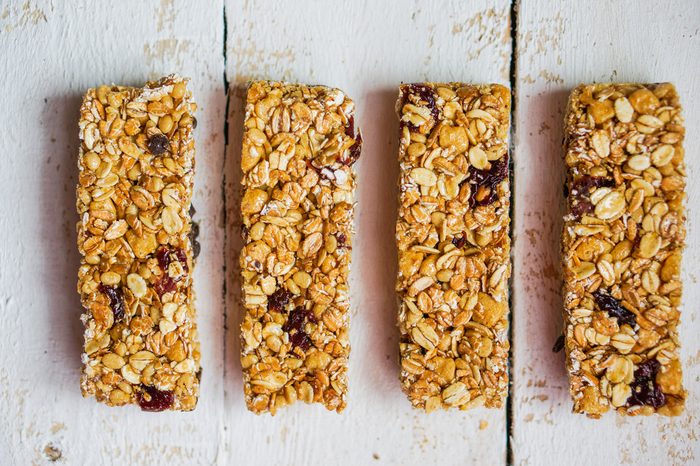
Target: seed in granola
{"type": "Point", "coordinates": [645, 391]}
{"type": "Point", "coordinates": [116, 300]}
{"type": "Point", "coordinates": [612, 306]}
{"type": "Point", "coordinates": [158, 144]}
{"type": "Point", "coordinates": [153, 400]}
{"type": "Point", "coordinates": [278, 300]}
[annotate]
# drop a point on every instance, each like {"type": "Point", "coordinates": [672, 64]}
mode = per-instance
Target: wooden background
{"type": "Point", "coordinates": [51, 51]}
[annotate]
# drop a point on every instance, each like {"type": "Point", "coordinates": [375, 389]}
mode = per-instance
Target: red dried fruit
{"type": "Point", "coordinates": [354, 152]}
{"type": "Point", "coordinates": [301, 340]}
{"type": "Point", "coordinates": [153, 400]}
{"type": "Point", "coordinates": [116, 300]}
{"type": "Point", "coordinates": [165, 257]}
{"type": "Point", "coordinates": [341, 239]}
{"type": "Point", "coordinates": [579, 197]}
{"type": "Point", "coordinates": [278, 300]}
{"type": "Point", "coordinates": [425, 94]}
{"type": "Point", "coordinates": [459, 241]}
{"type": "Point", "coordinates": [612, 306]}
{"type": "Point", "coordinates": [295, 327]}
{"type": "Point", "coordinates": [486, 179]}
{"type": "Point", "coordinates": [158, 144]}
{"type": "Point", "coordinates": [645, 391]}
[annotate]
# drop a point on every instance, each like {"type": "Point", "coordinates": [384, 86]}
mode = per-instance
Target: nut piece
{"type": "Point", "coordinates": [452, 238]}
{"type": "Point", "coordinates": [136, 168]}
{"type": "Point", "coordinates": [621, 247]}
{"type": "Point", "coordinates": [299, 147]}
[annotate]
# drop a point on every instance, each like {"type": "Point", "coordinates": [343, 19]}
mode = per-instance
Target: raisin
{"type": "Point", "coordinates": [613, 307]}
{"type": "Point", "coordinates": [154, 400]}
{"type": "Point", "coordinates": [158, 144]}
{"type": "Point", "coordinates": [193, 211]}
{"type": "Point", "coordinates": [116, 300]}
{"type": "Point", "coordinates": [558, 345]}
{"type": "Point", "coordinates": [645, 391]}
{"type": "Point", "coordinates": [278, 300]}
{"type": "Point", "coordinates": [487, 179]}
{"type": "Point", "coordinates": [579, 197]}
{"type": "Point", "coordinates": [194, 123]}
{"type": "Point", "coordinates": [460, 241]}
{"type": "Point", "coordinates": [196, 249]}
{"type": "Point", "coordinates": [341, 239]}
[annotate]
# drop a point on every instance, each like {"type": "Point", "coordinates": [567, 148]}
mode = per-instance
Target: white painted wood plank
{"type": "Point", "coordinates": [561, 44]}
{"type": "Point", "coordinates": [367, 48]}
{"type": "Point", "coordinates": [50, 52]}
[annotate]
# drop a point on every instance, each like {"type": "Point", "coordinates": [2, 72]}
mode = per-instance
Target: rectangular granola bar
{"type": "Point", "coordinates": [136, 164]}
{"type": "Point", "coordinates": [621, 247]}
{"type": "Point", "coordinates": [453, 243]}
{"type": "Point", "coordinates": [299, 148]}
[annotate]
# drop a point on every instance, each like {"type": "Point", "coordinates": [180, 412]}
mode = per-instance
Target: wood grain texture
{"type": "Point", "coordinates": [51, 52]}
{"type": "Point", "coordinates": [58, 50]}
{"type": "Point", "coordinates": [560, 46]}
{"type": "Point", "coordinates": [366, 48]}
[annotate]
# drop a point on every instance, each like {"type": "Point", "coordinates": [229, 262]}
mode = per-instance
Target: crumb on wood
{"type": "Point", "coordinates": [52, 452]}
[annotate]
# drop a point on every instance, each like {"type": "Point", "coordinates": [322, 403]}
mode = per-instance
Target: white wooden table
{"type": "Point", "coordinates": [50, 52]}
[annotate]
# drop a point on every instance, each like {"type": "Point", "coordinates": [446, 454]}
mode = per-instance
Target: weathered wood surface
{"type": "Point", "coordinates": [51, 52]}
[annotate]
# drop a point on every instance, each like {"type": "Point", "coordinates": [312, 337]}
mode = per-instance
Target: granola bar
{"type": "Point", "coordinates": [299, 148]}
{"type": "Point", "coordinates": [136, 167]}
{"type": "Point", "coordinates": [622, 242]}
{"type": "Point", "coordinates": [453, 243]}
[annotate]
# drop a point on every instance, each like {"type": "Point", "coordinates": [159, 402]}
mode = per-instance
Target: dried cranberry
{"type": "Point", "coordinates": [166, 284]}
{"type": "Point", "coordinates": [300, 339]}
{"type": "Point", "coordinates": [645, 391]}
{"type": "Point", "coordinates": [341, 239]}
{"type": "Point", "coordinates": [154, 400]}
{"type": "Point", "coordinates": [487, 179]}
{"type": "Point", "coordinates": [116, 300]}
{"type": "Point", "coordinates": [579, 197]}
{"type": "Point", "coordinates": [350, 128]}
{"type": "Point", "coordinates": [460, 241]}
{"type": "Point", "coordinates": [427, 95]}
{"type": "Point", "coordinates": [354, 152]}
{"type": "Point", "coordinates": [165, 257]}
{"type": "Point", "coordinates": [278, 300]}
{"type": "Point", "coordinates": [295, 327]}
{"type": "Point", "coordinates": [158, 144]}
{"type": "Point", "coordinates": [612, 306]}
{"type": "Point", "coordinates": [295, 320]}
{"type": "Point", "coordinates": [558, 345]}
